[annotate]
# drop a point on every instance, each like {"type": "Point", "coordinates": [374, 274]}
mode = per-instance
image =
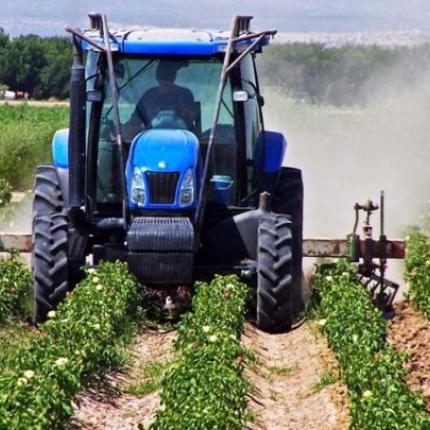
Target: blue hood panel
{"type": "Point", "coordinates": [162, 151]}
{"type": "Point", "coordinates": [173, 150]}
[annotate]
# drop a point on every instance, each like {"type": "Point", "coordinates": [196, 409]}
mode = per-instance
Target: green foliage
{"type": "Point", "coordinates": [39, 66]}
{"type": "Point", "coordinates": [25, 140]}
{"type": "Point", "coordinates": [15, 281]}
{"type": "Point", "coordinates": [5, 192]}
{"type": "Point", "coordinates": [373, 372]}
{"type": "Point", "coordinates": [417, 271]}
{"type": "Point", "coordinates": [39, 379]}
{"type": "Point", "coordinates": [347, 75]}
{"type": "Point", "coordinates": [152, 376]}
{"type": "Point", "coordinates": [205, 388]}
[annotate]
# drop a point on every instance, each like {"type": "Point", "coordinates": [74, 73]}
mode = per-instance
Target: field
{"type": "Point", "coordinates": [103, 361]}
{"type": "Point", "coordinates": [25, 140]}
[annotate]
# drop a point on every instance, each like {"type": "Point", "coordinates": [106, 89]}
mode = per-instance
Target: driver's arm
{"type": "Point", "coordinates": [187, 109]}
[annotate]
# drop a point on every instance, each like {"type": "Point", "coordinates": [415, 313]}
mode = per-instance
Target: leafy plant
{"type": "Point", "coordinates": [39, 379]}
{"type": "Point", "coordinates": [205, 388]}
{"type": "Point", "coordinates": [417, 271]}
{"type": "Point", "coordinates": [5, 192]}
{"type": "Point", "coordinates": [15, 280]}
{"type": "Point", "coordinates": [371, 369]}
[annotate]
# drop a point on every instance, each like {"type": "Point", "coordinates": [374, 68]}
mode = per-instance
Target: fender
{"type": "Point", "coordinates": [269, 156]}
{"type": "Point", "coordinates": [60, 159]}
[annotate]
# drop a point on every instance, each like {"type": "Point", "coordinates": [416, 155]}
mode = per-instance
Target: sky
{"type": "Point", "coordinates": [49, 17]}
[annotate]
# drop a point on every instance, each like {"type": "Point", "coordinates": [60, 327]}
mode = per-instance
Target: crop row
{"type": "Point", "coordinates": [39, 379]}
{"type": "Point", "coordinates": [205, 388]}
{"type": "Point", "coordinates": [417, 272]}
{"type": "Point", "coordinates": [371, 369]}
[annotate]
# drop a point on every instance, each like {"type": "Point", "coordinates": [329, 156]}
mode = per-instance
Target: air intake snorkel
{"type": "Point", "coordinates": [77, 133]}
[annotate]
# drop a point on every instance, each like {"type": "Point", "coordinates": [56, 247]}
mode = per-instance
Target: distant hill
{"type": "Point", "coordinates": [49, 17]}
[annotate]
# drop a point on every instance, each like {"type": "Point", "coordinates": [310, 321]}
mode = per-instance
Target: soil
{"type": "Point", "coordinates": [410, 331]}
{"type": "Point", "coordinates": [289, 390]}
{"type": "Point", "coordinates": [107, 405]}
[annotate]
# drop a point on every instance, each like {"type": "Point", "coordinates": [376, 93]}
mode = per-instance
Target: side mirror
{"type": "Point", "coordinates": [240, 96]}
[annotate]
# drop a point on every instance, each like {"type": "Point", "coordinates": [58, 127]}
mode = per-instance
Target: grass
{"type": "Point", "coordinates": [25, 140]}
{"type": "Point", "coordinates": [152, 375]}
{"type": "Point", "coordinates": [327, 378]}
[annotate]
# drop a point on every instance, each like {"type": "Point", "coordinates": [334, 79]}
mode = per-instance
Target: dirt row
{"type": "Point", "coordinates": [109, 404]}
{"type": "Point", "coordinates": [295, 378]}
{"type": "Point", "coordinates": [296, 381]}
{"type": "Point", "coordinates": [410, 331]}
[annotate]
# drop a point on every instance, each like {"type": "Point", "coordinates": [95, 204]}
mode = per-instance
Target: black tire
{"type": "Point", "coordinates": [288, 200]}
{"type": "Point", "coordinates": [274, 277]}
{"type": "Point", "coordinates": [58, 250]}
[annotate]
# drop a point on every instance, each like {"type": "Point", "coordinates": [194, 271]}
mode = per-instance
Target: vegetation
{"type": "Point", "coordinates": [38, 66]}
{"type": "Point", "coordinates": [5, 193]}
{"type": "Point", "coordinates": [371, 369]}
{"type": "Point", "coordinates": [25, 140]}
{"type": "Point", "coordinates": [347, 75]}
{"type": "Point", "coordinates": [417, 271]}
{"type": "Point", "coordinates": [39, 379]}
{"type": "Point", "coordinates": [205, 388]}
{"type": "Point", "coordinates": [15, 282]}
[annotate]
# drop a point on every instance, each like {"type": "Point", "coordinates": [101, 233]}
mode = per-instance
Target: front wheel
{"type": "Point", "coordinates": [58, 250]}
{"type": "Point", "coordinates": [274, 277]}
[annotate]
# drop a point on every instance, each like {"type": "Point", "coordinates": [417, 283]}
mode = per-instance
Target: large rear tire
{"type": "Point", "coordinates": [54, 242]}
{"type": "Point", "coordinates": [274, 278]}
{"type": "Point", "coordinates": [288, 199]}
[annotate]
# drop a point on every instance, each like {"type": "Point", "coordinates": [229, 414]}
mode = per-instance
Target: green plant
{"type": "Point", "coordinates": [25, 140]}
{"type": "Point", "coordinates": [5, 192]}
{"type": "Point", "coordinates": [327, 378]}
{"type": "Point", "coordinates": [39, 379]}
{"type": "Point", "coordinates": [15, 281]}
{"type": "Point", "coordinates": [204, 388]}
{"type": "Point", "coordinates": [152, 375]}
{"type": "Point", "coordinates": [372, 370]}
{"type": "Point", "coordinates": [417, 271]}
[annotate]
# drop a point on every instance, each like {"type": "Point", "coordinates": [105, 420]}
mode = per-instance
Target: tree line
{"type": "Point", "coordinates": [36, 65]}
{"type": "Point", "coordinates": [347, 75]}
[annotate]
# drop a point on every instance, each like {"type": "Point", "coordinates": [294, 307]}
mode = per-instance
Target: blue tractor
{"type": "Point", "coordinates": [167, 165]}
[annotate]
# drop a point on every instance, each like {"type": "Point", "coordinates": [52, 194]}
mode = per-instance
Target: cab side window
{"type": "Point", "coordinates": [252, 111]}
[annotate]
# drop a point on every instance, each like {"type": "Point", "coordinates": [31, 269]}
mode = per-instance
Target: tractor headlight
{"type": "Point", "coordinates": [186, 192]}
{"type": "Point", "coordinates": [138, 193]}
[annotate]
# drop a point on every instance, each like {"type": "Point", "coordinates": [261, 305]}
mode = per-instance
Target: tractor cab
{"type": "Point", "coordinates": [166, 100]}
{"type": "Point", "coordinates": [166, 165]}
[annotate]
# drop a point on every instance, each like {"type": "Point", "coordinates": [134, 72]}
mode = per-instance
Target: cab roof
{"type": "Point", "coordinates": [156, 41]}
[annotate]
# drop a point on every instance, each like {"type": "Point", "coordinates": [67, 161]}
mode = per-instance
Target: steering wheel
{"type": "Point", "coordinates": [168, 119]}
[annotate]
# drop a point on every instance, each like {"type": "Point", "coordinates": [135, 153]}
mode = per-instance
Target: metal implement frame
{"type": "Point", "coordinates": [316, 248]}
{"type": "Point", "coordinates": [239, 25]}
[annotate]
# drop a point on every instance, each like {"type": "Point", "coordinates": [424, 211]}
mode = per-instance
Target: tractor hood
{"type": "Point", "coordinates": [161, 169]}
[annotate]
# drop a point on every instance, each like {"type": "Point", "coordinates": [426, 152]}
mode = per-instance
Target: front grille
{"type": "Point", "coordinates": [162, 187]}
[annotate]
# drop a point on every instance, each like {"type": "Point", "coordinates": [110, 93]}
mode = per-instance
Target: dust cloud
{"type": "Point", "coordinates": [348, 155]}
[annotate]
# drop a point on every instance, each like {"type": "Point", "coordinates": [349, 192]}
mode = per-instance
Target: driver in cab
{"type": "Point", "coordinates": [166, 96]}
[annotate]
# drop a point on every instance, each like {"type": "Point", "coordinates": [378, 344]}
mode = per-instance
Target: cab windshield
{"type": "Point", "coordinates": [165, 93]}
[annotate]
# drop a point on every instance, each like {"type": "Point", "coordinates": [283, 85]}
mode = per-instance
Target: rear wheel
{"type": "Point", "coordinates": [288, 199]}
{"type": "Point", "coordinates": [58, 250]}
{"type": "Point", "coordinates": [274, 280]}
